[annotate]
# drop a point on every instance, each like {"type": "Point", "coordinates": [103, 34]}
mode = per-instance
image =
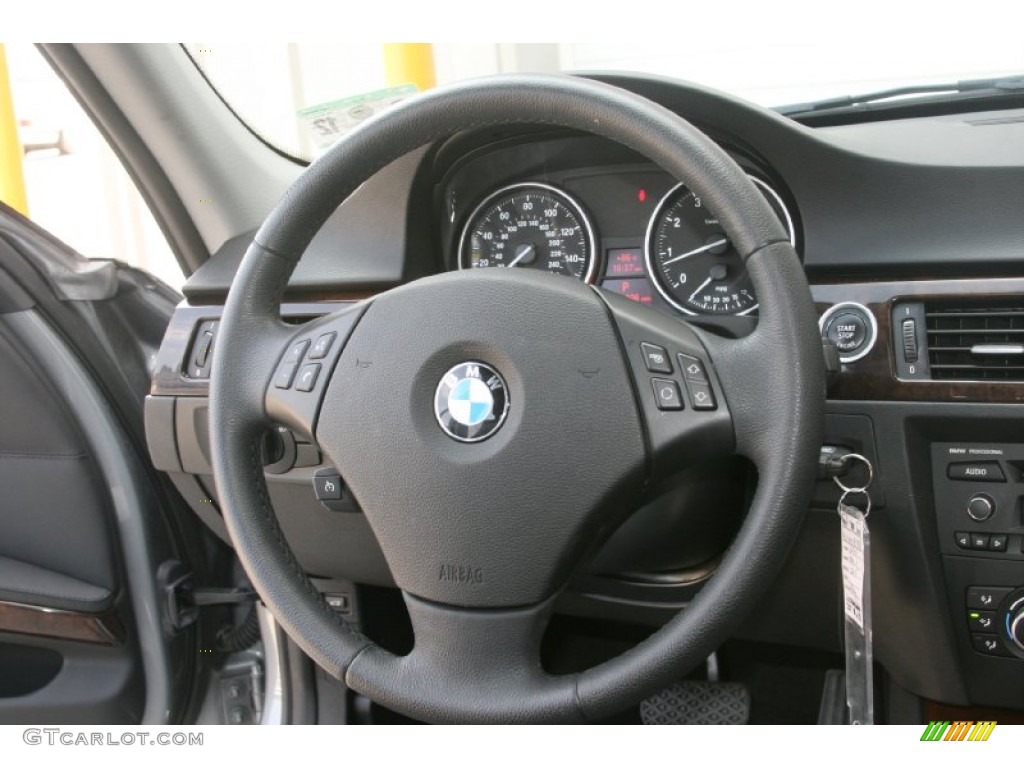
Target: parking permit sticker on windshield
{"type": "Point", "coordinates": [326, 123]}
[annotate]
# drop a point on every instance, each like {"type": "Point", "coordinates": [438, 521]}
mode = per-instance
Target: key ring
{"type": "Point", "coordinates": [864, 493]}
{"type": "Point", "coordinates": [863, 489]}
{"type": "Point", "coordinates": [859, 489]}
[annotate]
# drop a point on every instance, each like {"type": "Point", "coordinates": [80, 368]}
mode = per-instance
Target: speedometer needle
{"type": "Point", "coordinates": [695, 251]}
{"type": "Point", "coordinates": [523, 253]}
{"type": "Point", "coordinates": [700, 288]}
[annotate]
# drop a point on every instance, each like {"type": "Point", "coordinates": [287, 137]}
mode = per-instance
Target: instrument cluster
{"type": "Point", "coordinates": [627, 229]}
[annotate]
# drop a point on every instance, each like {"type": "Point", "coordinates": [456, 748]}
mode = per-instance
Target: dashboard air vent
{"type": "Point", "coordinates": [976, 341]}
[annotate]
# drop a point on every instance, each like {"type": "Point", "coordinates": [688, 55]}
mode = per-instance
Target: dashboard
{"type": "Point", "coordinates": [912, 240]}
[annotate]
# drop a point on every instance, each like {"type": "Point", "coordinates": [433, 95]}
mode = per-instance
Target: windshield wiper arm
{"type": "Point", "coordinates": [1008, 83]}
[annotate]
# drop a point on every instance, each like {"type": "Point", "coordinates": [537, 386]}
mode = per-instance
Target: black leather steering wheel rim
{"type": "Point", "coordinates": [476, 663]}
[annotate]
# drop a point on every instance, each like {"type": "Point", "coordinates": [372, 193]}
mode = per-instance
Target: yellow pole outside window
{"type": "Point", "coordinates": [12, 177]}
{"type": "Point", "coordinates": [410, 63]}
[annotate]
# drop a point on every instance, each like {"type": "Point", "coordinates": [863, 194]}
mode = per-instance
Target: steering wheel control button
{"type": "Point", "coordinates": [988, 644]}
{"type": "Point", "coordinates": [701, 396]}
{"type": "Point", "coordinates": [986, 598]}
{"type": "Point", "coordinates": [979, 541]}
{"type": "Point", "coordinates": [976, 471]}
{"type": "Point", "coordinates": [851, 327]}
{"type": "Point", "coordinates": [471, 402]}
{"type": "Point", "coordinates": [667, 395]}
{"type": "Point", "coordinates": [998, 542]}
{"type": "Point", "coordinates": [307, 377]}
{"type": "Point", "coordinates": [980, 507]}
{"type": "Point", "coordinates": [296, 351]}
{"type": "Point", "coordinates": [656, 358]}
{"type": "Point", "coordinates": [290, 364]}
{"type": "Point", "coordinates": [285, 375]}
{"type": "Point", "coordinates": [322, 346]}
{"type": "Point", "coordinates": [963, 540]}
{"type": "Point", "coordinates": [693, 369]}
{"type": "Point", "coordinates": [327, 486]}
{"type": "Point", "coordinates": [296, 391]}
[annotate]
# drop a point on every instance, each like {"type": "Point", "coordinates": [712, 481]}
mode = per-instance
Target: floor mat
{"type": "Point", "coordinates": [785, 683]}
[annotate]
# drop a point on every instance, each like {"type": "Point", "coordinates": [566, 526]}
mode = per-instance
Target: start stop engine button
{"type": "Point", "coordinates": [848, 331]}
{"type": "Point", "coordinates": [851, 327]}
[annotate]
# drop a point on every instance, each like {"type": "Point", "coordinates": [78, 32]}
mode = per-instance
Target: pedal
{"type": "Point", "coordinates": [698, 703]}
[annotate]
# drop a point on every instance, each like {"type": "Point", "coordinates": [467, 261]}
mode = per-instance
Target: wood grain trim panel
{"type": "Point", "coordinates": [873, 377]}
{"type": "Point", "coordinates": [168, 369]}
{"type": "Point", "coordinates": [96, 628]}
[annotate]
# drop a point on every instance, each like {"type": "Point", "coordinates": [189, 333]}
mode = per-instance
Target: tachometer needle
{"type": "Point", "coordinates": [695, 251]}
{"type": "Point", "coordinates": [699, 289]}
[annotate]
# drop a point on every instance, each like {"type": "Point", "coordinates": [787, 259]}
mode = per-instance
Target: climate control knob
{"type": "Point", "coordinates": [1015, 624]}
{"type": "Point", "coordinates": [980, 507]}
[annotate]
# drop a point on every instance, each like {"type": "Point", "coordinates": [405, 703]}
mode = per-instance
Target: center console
{"type": "Point", "coordinates": [979, 492]}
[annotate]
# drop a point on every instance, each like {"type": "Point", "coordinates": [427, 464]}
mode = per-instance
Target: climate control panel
{"type": "Point", "coordinates": [995, 618]}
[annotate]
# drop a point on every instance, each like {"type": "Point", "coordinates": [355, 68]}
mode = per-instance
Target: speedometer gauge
{"type": "Point", "coordinates": [691, 261]}
{"type": "Point", "coordinates": [530, 226]}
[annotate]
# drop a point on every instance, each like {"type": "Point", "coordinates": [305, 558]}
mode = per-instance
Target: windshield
{"type": "Point", "coordinates": [302, 96]}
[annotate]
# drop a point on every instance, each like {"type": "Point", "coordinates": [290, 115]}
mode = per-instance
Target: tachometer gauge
{"type": "Point", "coordinates": [530, 226]}
{"type": "Point", "coordinates": [691, 261]}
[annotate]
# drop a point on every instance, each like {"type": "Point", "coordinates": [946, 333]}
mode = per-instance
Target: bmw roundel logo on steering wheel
{"type": "Point", "coordinates": [471, 402]}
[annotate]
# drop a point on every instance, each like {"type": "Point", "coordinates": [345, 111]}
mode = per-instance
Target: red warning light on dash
{"type": "Point", "coordinates": [625, 262]}
{"type": "Point", "coordinates": [638, 289]}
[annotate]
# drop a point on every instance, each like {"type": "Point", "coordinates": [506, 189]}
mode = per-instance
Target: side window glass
{"type": "Point", "coordinates": [76, 187]}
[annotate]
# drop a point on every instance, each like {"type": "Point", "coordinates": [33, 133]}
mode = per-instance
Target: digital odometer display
{"type": "Point", "coordinates": [691, 261]}
{"type": "Point", "coordinates": [625, 262]}
{"type": "Point", "coordinates": [530, 226]}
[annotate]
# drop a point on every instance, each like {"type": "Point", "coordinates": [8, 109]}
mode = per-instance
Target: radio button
{"type": "Point", "coordinates": [976, 471]}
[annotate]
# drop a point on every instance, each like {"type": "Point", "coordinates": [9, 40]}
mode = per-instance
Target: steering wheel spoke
{"type": "Point", "coordinates": [487, 662]}
{"type": "Point", "coordinates": [677, 385]}
{"type": "Point", "coordinates": [305, 362]}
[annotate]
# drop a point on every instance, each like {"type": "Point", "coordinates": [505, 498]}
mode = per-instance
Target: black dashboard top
{"type": "Point", "coordinates": [924, 197]}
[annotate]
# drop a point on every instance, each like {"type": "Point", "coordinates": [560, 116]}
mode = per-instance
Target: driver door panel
{"type": "Point", "coordinates": [85, 524]}
{"type": "Point", "coordinates": [64, 653]}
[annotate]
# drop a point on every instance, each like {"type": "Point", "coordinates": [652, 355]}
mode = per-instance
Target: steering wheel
{"type": "Point", "coordinates": [495, 426]}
